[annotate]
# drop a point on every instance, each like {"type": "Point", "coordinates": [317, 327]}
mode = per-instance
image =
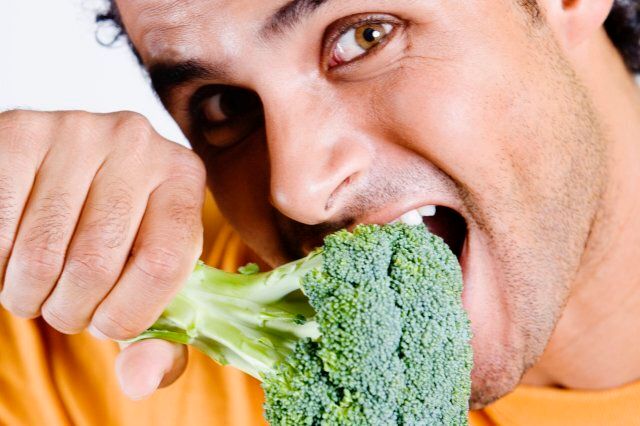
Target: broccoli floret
{"type": "Point", "coordinates": [436, 330]}
{"type": "Point", "coordinates": [298, 391]}
{"type": "Point", "coordinates": [367, 330]}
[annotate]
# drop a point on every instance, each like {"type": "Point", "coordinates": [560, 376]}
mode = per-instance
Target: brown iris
{"type": "Point", "coordinates": [369, 35]}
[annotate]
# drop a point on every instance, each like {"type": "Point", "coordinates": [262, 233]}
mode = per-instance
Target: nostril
{"type": "Point", "coordinates": [334, 195]}
{"type": "Point", "coordinates": [303, 204]}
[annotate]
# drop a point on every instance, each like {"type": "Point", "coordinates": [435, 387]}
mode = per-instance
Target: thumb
{"type": "Point", "coordinates": [143, 367]}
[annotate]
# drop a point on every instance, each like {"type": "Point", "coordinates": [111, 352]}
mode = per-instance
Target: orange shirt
{"type": "Point", "coordinates": [50, 379]}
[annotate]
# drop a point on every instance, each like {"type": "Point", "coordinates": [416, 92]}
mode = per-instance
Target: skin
{"type": "Point", "coordinates": [446, 111]}
{"type": "Point", "coordinates": [79, 241]}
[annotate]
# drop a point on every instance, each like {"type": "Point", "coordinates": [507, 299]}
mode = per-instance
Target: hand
{"type": "Point", "coordinates": [100, 225]}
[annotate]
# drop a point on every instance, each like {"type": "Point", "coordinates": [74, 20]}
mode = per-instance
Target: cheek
{"type": "Point", "coordinates": [240, 183]}
{"type": "Point", "coordinates": [479, 117]}
{"type": "Point", "coordinates": [476, 100]}
{"type": "Point", "coordinates": [452, 121]}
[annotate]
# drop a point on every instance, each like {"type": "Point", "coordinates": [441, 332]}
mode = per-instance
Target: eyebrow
{"type": "Point", "coordinates": [166, 76]}
{"type": "Point", "coordinates": [290, 15]}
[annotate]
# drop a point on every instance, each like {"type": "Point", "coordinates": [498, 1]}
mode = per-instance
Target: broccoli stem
{"type": "Point", "coordinates": [249, 321]}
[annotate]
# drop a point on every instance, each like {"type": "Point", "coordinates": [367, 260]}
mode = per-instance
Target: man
{"type": "Point", "coordinates": [518, 120]}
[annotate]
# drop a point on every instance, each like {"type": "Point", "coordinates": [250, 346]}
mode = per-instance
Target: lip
{"type": "Point", "coordinates": [394, 211]}
{"type": "Point", "coordinates": [465, 262]}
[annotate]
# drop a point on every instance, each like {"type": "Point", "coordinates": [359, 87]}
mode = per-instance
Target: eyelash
{"type": "Point", "coordinates": [341, 27]}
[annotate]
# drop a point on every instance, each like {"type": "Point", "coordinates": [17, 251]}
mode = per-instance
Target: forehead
{"type": "Point", "coordinates": [229, 31]}
{"type": "Point", "coordinates": [170, 28]}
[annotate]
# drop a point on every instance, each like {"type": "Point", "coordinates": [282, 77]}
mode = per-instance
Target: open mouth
{"type": "Point", "coordinates": [442, 221]}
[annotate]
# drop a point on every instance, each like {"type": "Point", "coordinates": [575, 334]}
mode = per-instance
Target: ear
{"type": "Point", "coordinates": [574, 21]}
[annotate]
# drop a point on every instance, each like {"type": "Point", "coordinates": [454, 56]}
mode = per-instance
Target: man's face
{"type": "Point", "coordinates": [321, 114]}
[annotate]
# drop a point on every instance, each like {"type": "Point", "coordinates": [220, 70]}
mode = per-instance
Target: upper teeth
{"type": "Point", "coordinates": [414, 217]}
{"type": "Point", "coordinates": [427, 211]}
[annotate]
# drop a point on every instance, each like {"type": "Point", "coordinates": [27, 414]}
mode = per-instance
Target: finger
{"type": "Point", "coordinates": [99, 248]}
{"type": "Point", "coordinates": [19, 161]}
{"type": "Point", "coordinates": [143, 367]}
{"type": "Point", "coordinates": [14, 192]}
{"type": "Point", "coordinates": [45, 230]}
{"type": "Point", "coordinates": [166, 249]}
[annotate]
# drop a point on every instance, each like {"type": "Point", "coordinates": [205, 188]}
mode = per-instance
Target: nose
{"type": "Point", "coordinates": [315, 154]}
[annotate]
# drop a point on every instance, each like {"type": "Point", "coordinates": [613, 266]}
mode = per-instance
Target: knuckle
{"type": "Point", "coordinates": [38, 264]}
{"type": "Point", "coordinates": [115, 324]}
{"type": "Point", "coordinates": [10, 115]}
{"type": "Point", "coordinates": [86, 270]}
{"type": "Point", "coordinates": [160, 266]}
{"type": "Point", "coordinates": [187, 164]}
{"type": "Point", "coordinates": [20, 132]}
{"type": "Point", "coordinates": [136, 127]}
{"type": "Point", "coordinates": [61, 320]}
{"type": "Point", "coordinates": [135, 140]}
{"type": "Point", "coordinates": [40, 267]}
{"type": "Point", "coordinates": [75, 116]}
{"type": "Point", "coordinates": [17, 116]}
{"type": "Point", "coordinates": [23, 119]}
{"type": "Point", "coordinates": [13, 304]}
{"type": "Point", "coordinates": [83, 126]}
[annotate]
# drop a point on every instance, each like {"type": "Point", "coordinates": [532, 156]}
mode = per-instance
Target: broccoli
{"type": "Point", "coordinates": [367, 330]}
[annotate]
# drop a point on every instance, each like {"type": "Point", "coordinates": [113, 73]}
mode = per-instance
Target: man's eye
{"type": "Point", "coordinates": [357, 41]}
{"type": "Point", "coordinates": [228, 114]}
{"type": "Point", "coordinates": [212, 109]}
{"type": "Point", "coordinates": [229, 104]}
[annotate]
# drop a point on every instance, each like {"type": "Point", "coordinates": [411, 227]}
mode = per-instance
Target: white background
{"type": "Point", "coordinates": [50, 60]}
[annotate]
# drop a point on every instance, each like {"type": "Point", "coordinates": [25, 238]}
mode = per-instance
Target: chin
{"type": "Point", "coordinates": [494, 376]}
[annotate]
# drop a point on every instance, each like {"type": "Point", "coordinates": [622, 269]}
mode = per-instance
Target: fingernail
{"type": "Point", "coordinates": [96, 333]}
{"type": "Point", "coordinates": [138, 388]}
{"type": "Point", "coordinates": [136, 395]}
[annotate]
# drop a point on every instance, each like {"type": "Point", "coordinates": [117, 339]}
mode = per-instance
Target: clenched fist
{"type": "Point", "coordinates": [100, 224]}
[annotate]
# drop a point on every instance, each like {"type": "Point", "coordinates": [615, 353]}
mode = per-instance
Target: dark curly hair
{"type": "Point", "coordinates": [622, 25]}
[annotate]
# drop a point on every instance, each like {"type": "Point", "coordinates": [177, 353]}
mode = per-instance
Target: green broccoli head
{"type": "Point", "coordinates": [368, 330]}
{"type": "Point", "coordinates": [298, 391]}
{"type": "Point", "coordinates": [436, 332]}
